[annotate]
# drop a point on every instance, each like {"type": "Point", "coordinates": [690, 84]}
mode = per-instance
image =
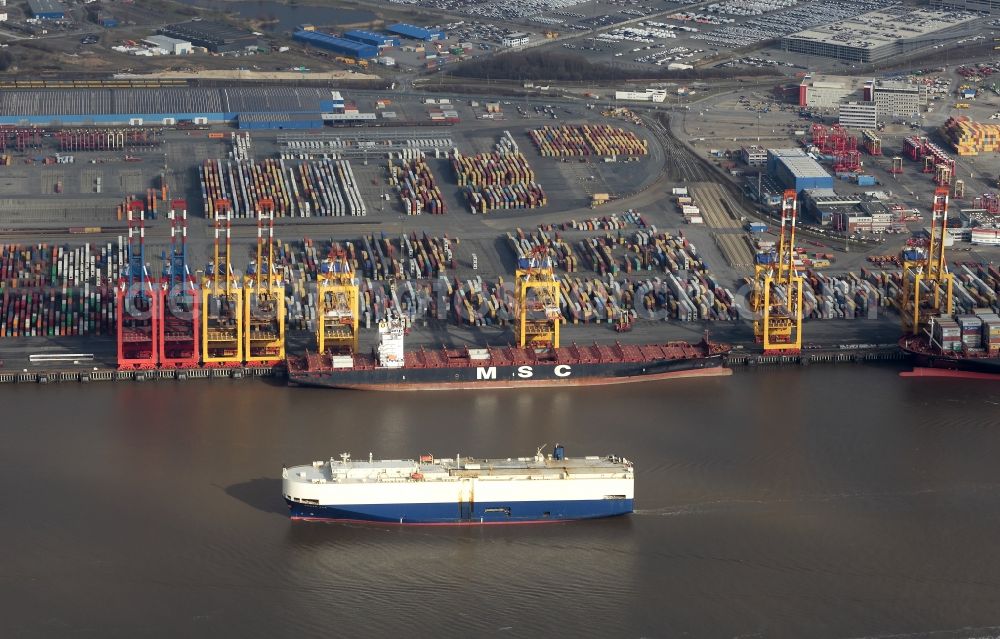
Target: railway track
{"type": "Point", "coordinates": [682, 164]}
{"type": "Point", "coordinates": [720, 215]}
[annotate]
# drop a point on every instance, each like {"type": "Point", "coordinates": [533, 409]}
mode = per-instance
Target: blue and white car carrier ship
{"type": "Point", "coordinates": [462, 490]}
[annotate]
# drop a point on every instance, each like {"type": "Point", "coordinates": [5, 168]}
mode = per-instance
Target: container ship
{"type": "Point", "coordinates": [959, 346]}
{"type": "Point", "coordinates": [391, 368]}
{"type": "Point", "coordinates": [943, 344]}
{"type": "Point", "coordinates": [460, 490]}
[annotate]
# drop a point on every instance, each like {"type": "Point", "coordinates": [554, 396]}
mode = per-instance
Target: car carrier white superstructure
{"type": "Point", "coordinates": [461, 490]}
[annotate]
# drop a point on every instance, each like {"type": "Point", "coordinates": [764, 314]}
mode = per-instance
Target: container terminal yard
{"type": "Point", "coordinates": [766, 233]}
{"type": "Point", "coordinates": [191, 232]}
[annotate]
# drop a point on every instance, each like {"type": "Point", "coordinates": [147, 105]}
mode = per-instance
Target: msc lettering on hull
{"type": "Point", "coordinates": [522, 372]}
{"type": "Point", "coordinates": [486, 373]}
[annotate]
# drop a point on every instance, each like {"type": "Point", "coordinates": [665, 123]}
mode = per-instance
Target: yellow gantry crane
{"type": "Point", "coordinates": [264, 293]}
{"type": "Point", "coordinates": [927, 284]}
{"type": "Point", "coordinates": [222, 299]}
{"type": "Point", "coordinates": [337, 290]}
{"type": "Point", "coordinates": [777, 288]}
{"type": "Point", "coordinates": [537, 302]}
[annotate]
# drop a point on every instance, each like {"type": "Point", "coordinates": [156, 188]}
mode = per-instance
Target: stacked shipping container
{"type": "Point", "coordinates": [972, 138]}
{"type": "Point", "coordinates": [990, 331]}
{"type": "Point", "coordinates": [613, 222]}
{"type": "Point", "coordinates": [599, 140]}
{"type": "Point", "coordinates": [947, 333]}
{"type": "Point", "coordinates": [971, 327]}
{"type": "Point", "coordinates": [307, 189]}
{"type": "Point", "coordinates": [496, 180]}
{"type": "Point", "coordinates": [416, 185]}
{"type": "Point", "coordinates": [57, 291]}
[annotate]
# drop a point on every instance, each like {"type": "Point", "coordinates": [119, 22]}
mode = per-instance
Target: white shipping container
{"type": "Point", "coordinates": [342, 361]}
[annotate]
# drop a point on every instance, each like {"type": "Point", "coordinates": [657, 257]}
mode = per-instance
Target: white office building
{"type": "Point", "coordinates": [896, 98]}
{"type": "Point", "coordinates": [858, 115]}
{"type": "Point", "coordinates": [515, 40]}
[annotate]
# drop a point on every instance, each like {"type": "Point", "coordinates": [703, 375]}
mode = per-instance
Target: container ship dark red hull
{"type": "Point", "coordinates": [932, 362]}
{"type": "Point", "coordinates": [449, 369]}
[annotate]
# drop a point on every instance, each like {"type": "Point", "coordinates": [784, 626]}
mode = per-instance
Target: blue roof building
{"type": "Point", "coordinates": [337, 45]}
{"type": "Point", "coordinates": [796, 170]}
{"type": "Point", "coordinates": [416, 33]}
{"type": "Point", "coordinates": [47, 9]}
{"type": "Point", "coordinates": [279, 121]}
{"type": "Point", "coordinates": [375, 39]}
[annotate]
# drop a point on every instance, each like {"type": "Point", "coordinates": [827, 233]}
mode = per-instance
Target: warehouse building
{"type": "Point", "coordinates": [797, 170]}
{"type": "Point", "coordinates": [880, 35]}
{"type": "Point", "coordinates": [379, 40]}
{"type": "Point", "coordinates": [827, 91]}
{"type": "Point", "coordinates": [823, 205]}
{"type": "Point", "coordinates": [172, 46]}
{"type": "Point", "coordinates": [978, 226]}
{"type": "Point", "coordinates": [215, 36]}
{"type": "Point", "coordinates": [980, 6]}
{"type": "Point", "coordinates": [867, 216]}
{"type": "Point", "coordinates": [340, 46]}
{"type": "Point", "coordinates": [896, 98]}
{"type": "Point", "coordinates": [985, 237]}
{"type": "Point", "coordinates": [858, 115]}
{"type": "Point", "coordinates": [416, 33]}
{"type": "Point", "coordinates": [47, 9]}
{"type": "Point", "coordinates": [253, 107]}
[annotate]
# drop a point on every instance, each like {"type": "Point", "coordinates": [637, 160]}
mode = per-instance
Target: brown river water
{"type": "Point", "coordinates": [832, 501]}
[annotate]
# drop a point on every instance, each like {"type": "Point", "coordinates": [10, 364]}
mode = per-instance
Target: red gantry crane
{"type": "Point", "coordinates": [180, 324]}
{"type": "Point", "coordinates": [137, 299]}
